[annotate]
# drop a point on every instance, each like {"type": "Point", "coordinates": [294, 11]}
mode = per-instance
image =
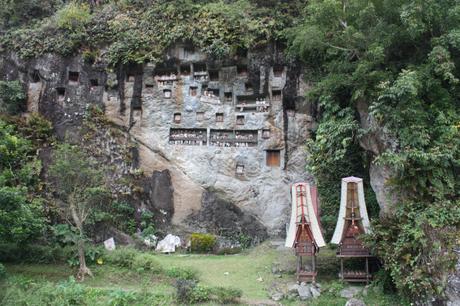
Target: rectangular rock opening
{"type": "Point", "coordinates": [185, 70]}
{"type": "Point", "coordinates": [35, 76]}
{"type": "Point", "coordinates": [242, 70]}
{"type": "Point", "coordinates": [190, 137]}
{"type": "Point", "coordinates": [74, 76]}
{"type": "Point", "coordinates": [199, 116]}
{"type": "Point", "coordinates": [273, 158]}
{"type": "Point", "coordinates": [228, 96]}
{"type": "Point", "coordinates": [240, 120]}
{"type": "Point", "coordinates": [94, 82]}
{"type": "Point", "coordinates": [60, 93]}
{"type": "Point", "coordinates": [219, 117]}
{"type": "Point", "coordinates": [239, 169]}
{"type": "Point", "coordinates": [193, 91]}
{"type": "Point", "coordinates": [233, 138]}
{"type": "Point", "coordinates": [199, 68]}
{"type": "Point", "coordinates": [248, 87]}
{"type": "Point", "coordinates": [165, 75]}
{"type": "Point", "coordinates": [214, 75]}
{"type": "Point", "coordinates": [278, 71]}
{"type": "Point", "coordinates": [252, 103]}
{"type": "Point", "coordinates": [266, 133]}
{"type": "Point", "coordinates": [130, 77]}
{"type": "Point", "coordinates": [167, 93]}
{"type": "Point", "coordinates": [276, 95]}
{"type": "Point", "coordinates": [177, 117]}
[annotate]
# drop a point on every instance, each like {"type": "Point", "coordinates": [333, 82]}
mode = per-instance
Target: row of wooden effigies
{"type": "Point", "coordinates": [305, 234]}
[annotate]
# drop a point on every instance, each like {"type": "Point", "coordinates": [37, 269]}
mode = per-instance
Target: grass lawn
{"type": "Point", "coordinates": [250, 271]}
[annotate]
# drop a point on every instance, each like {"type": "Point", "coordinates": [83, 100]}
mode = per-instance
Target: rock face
{"type": "Point", "coordinates": [227, 132]}
{"type": "Point", "coordinates": [453, 285]}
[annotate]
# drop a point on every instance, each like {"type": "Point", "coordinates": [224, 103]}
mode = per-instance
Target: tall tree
{"type": "Point", "coordinates": [399, 59]}
{"type": "Point", "coordinates": [79, 183]}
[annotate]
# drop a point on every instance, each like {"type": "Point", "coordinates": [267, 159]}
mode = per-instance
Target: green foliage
{"type": "Point", "coordinates": [12, 97]}
{"type": "Point", "coordinates": [19, 220]}
{"type": "Point", "coordinates": [397, 60]}
{"type": "Point", "coordinates": [122, 256]}
{"type": "Point", "coordinates": [14, 13]}
{"type": "Point", "coordinates": [415, 244]}
{"type": "Point", "coordinates": [74, 16]}
{"type": "Point", "coordinates": [202, 243]}
{"type": "Point", "coordinates": [2, 272]}
{"type": "Point", "coordinates": [34, 253]}
{"type": "Point", "coordinates": [37, 128]}
{"type": "Point", "coordinates": [24, 291]}
{"type": "Point", "coordinates": [136, 31]}
{"type": "Point", "coordinates": [182, 273]}
{"type": "Point", "coordinates": [146, 262]}
{"type": "Point", "coordinates": [190, 292]}
{"type": "Point", "coordinates": [226, 295]}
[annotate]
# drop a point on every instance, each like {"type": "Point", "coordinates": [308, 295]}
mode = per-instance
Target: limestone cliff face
{"type": "Point", "coordinates": [229, 131]}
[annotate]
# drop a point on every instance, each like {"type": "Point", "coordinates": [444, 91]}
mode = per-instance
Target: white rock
{"type": "Point", "coordinates": [315, 292]}
{"type": "Point", "coordinates": [304, 292]}
{"type": "Point", "coordinates": [349, 292]}
{"type": "Point", "coordinates": [109, 244]}
{"type": "Point", "coordinates": [168, 244]}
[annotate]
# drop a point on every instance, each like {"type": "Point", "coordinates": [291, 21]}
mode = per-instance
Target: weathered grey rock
{"type": "Point", "coordinates": [355, 302]}
{"type": "Point", "coordinates": [135, 102]}
{"type": "Point", "coordinates": [315, 292]}
{"type": "Point", "coordinates": [304, 292]}
{"type": "Point", "coordinates": [453, 285]}
{"type": "Point", "coordinates": [293, 288]}
{"type": "Point", "coordinates": [350, 292]}
{"type": "Point", "coordinates": [277, 296]}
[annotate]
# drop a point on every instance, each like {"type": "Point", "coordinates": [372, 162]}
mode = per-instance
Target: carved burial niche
{"type": "Point", "coordinates": [278, 71]}
{"type": "Point", "coordinates": [228, 96]}
{"type": "Point", "coordinates": [242, 70]}
{"type": "Point", "coordinates": [60, 93]}
{"type": "Point", "coordinates": [239, 169]}
{"type": "Point", "coordinates": [185, 70]}
{"type": "Point", "coordinates": [219, 117]}
{"type": "Point", "coordinates": [248, 87]}
{"type": "Point", "coordinates": [130, 77]}
{"type": "Point", "coordinates": [167, 93]}
{"type": "Point", "coordinates": [35, 76]}
{"type": "Point", "coordinates": [74, 77]}
{"type": "Point", "coordinates": [199, 116]}
{"type": "Point", "coordinates": [266, 133]}
{"type": "Point", "coordinates": [240, 119]}
{"type": "Point", "coordinates": [94, 82]}
{"type": "Point", "coordinates": [193, 91]}
{"type": "Point", "coordinates": [276, 95]}
{"type": "Point", "coordinates": [214, 75]}
{"type": "Point", "coordinates": [273, 158]}
{"type": "Point", "coordinates": [233, 138]}
{"type": "Point", "coordinates": [177, 117]}
{"type": "Point", "coordinates": [190, 137]}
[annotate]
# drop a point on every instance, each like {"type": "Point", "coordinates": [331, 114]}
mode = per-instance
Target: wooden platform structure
{"type": "Point", "coordinates": [304, 234]}
{"type": "Point", "coordinates": [353, 222]}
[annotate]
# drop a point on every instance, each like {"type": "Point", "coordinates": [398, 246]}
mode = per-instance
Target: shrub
{"type": "Point", "coordinates": [73, 16]}
{"type": "Point", "coordinates": [182, 273]}
{"type": "Point", "coordinates": [146, 262]}
{"type": "Point", "coordinates": [202, 243]}
{"type": "Point", "coordinates": [226, 295]}
{"type": "Point", "coordinates": [190, 292]}
{"type": "Point", "coordinates": [123, 257]}
{"type": "Point", "coordinates": [10, 252]}
{"type": "Point", "coordinates": [2, 272]}
{"type": "Point", "coordinates": [12, 97]}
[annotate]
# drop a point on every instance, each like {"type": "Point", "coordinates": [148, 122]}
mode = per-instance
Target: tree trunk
{"type": "Point", "coordinates": [83, 270]}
